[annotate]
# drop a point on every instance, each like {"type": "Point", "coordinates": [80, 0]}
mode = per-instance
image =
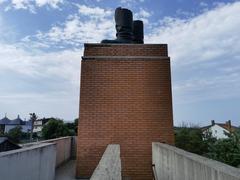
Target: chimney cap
{"type": "Point", "coordinates": [228, 122]}
{"type": "Point", "coordinates": [213, 122]}
{"type": "Point", "coordinates": [229, 125]}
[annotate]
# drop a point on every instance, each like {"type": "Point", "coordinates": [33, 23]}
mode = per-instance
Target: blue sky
{"type": "Point", "coordinates": [41, 48]}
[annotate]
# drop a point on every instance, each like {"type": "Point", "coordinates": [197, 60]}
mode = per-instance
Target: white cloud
{"type": "Point", "coordinates": [30, 4]}
{"type": "Point", "coordinates": [20, 4]}
{"type": "Point", "coordinates": [143, 15]}
{"type": "Point", "coordinates": [200, 48]}
{"type": "Point", "coordinates": [201, 38]}
{"type": "Point", "coordinates": [131, 4]}
{"type": "Point", "coordinates": [93, 12]}
{"type": "Point", "coordinates": [131, 1]}
{"type": "Point", "coordinates": [91, 24]}
{"type": "Point", "coordinates": [2, 1]}
{"type": "Point", "coordinates": [203, 4]}
{"type": "Point", "coordinates": [64, 64]}
{"type": "Point", "coordinates": [39, 81]}
{"type": "Point", "coordinates": [211, 87]}
{"type": "Point", "coordinates": [52, 3]}
{"type": "Point", "coordinates": [185, 14]}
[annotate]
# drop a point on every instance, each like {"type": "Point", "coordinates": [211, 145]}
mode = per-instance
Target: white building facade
{"type": "Point", "coordinates": [219, 130]}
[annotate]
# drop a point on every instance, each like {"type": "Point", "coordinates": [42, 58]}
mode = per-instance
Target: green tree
{"type": "Point", "coordinates": [55, 128]}
{"type": "Point", "coordinates": [73, 126]}
{"type": "Point", "coordinates": [76, 125]}
{"type": "Point", "coordinates": [226, 150]}
{"type": "Point", "coordinates": [190, 139]}
{"type": "Point", "coordinates": [15, 134]}
{"type": "Point", "coordinates": [193, 140]}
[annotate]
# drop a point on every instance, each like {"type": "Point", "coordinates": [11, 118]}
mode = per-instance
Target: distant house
{"type": "Point", "coordinates": [38, 124]}
{"type": "Point", "coordinates": [219, 130]}
{"type": "Point", "coordinates": [7, 124]}
{"type": "Point", "coordinates": [7, 145]}
{"type": "Point", "coordinates": [3, 123]}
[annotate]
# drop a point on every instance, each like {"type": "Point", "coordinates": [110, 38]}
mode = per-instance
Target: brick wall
{"type": "Point", "coordinates": [125, 50]}
{"type": "Point", "coordinates": [125, 99]}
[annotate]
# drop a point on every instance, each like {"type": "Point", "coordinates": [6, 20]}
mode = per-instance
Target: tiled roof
{"type": "Point", "coordinates": [2, 139]}
{"type": "Point", "coordinates": [7, 144]}
{"type": "Point", "coordinates": [223, 125]}
{"type": "Point", "coordinates": [5, 120]}
{"type": "Point", "coordinates": [17, 121]}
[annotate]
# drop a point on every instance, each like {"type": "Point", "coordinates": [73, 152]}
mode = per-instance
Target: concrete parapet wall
{"type": "Point", "coordinates": [109, 167]}
{"type": "Point", "coordinates": [63, 148]}
{"type": "Point", "coordinates": [172, 163]}
{"type": "Point", "coordinates": [31, 163]}
{"type": "Point", "coordinates": [74, 147]}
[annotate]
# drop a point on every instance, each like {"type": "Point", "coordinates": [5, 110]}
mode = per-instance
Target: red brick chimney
{"type": "Point", "coordinates": [229, 125]}
{"type": "Point", "coordinates": [213, 122]}
{"type": "Point", "coordinates": [125, 99]}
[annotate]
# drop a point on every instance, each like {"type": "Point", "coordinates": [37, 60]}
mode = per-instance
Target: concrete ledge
{"type": "Point", "coordinates": [99, 49]}
{"type": "Point", "coordinates": [109, 166]}
{"type": "Point", "coordinates": [172, 163]}
{"type": "Point", "coordinates": [44, 141]}
{"type": "Point", "coordinates": [7, 153]}
{"type": "Point", "coordinates": [33, 163]}
{"type": "Point", "coordinates": [63, 148]}
{"type": "Point", "coordinates": [140, 58]}
{"type": "Point", "coordinates": [120, 44]}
